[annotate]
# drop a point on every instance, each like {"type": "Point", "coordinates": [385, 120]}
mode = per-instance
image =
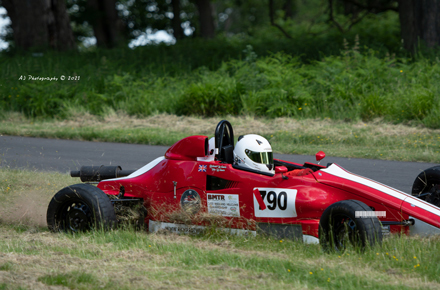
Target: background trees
{"type": "Point", "coordinates": [420, 23]}
{"type": "Point", "coordinates": [104, 18]}
{"type": "Point", "coordinates": [58, 24]}
{"type": "Point", "coordinates": [40, 24]}
{"type": "Point", "coordinates": [419, 19]}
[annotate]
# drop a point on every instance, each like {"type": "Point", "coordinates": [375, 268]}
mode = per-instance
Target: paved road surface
{"type": "Point", "coordinates": [65, 155]}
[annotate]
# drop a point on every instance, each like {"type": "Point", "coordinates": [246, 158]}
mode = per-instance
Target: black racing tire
{"type": "Point", "coordinates": [339, 226]}
{"type": "Point", "coordinates": [427, 185]}
{"type": "Point", "coordinates": [80, 207]}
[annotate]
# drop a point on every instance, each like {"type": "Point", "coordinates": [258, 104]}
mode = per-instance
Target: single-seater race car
{"type": "Point", "coordinates": [201, 182]}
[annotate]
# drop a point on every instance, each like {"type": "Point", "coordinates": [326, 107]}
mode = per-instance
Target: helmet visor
{"type": "Point", "coordinates": [260, 157]}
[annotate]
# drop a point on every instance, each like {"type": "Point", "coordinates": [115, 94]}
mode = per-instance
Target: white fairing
{"type": "Point", "coordinates": [419, 225]}
{"type": "Point", "coordinates": [338, 171]}
{"type": "Point", "coordinates": [141, 170]}
{"type": "Point", "coordinates": [310, 239]}
{"type": "Point", "coordinates": [211, 151]}
{"type": "Point", "coordinates": [420, 228]}
{"type": "Point", "coordinates": [155, 226]}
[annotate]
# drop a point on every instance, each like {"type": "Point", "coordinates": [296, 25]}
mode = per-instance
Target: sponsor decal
{"type": "Point", "coordinates": [202, 168]}
{"type": "Point", "coordinates": [238, 160]}
{"type": "Point", "coordinates": [190, 201]}
{"type": "Point", "coordinates": [386, 230]}
{"type": "Point", "coordinates": [217, 168]}
{"type": "Point", "coordinates": [216, 196]}
{"type": "Point", "coordinates": [274, 202]}
{"type": "Point", "coordinates": [223, 204]}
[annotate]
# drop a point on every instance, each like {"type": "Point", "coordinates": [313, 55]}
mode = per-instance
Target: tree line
{"type": "Point", "coordinates": [61, 24]}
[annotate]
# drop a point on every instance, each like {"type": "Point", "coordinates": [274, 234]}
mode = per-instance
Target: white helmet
{"type": "Point", "coordinates": [254, 152]}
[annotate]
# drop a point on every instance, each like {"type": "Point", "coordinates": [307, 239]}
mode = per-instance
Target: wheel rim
{"type": "Point", "coordinates": [75, 216]}
{"type": "Point", "coordinates": [434, 195]}
{"type": "Point", "coordinates": [343, 230]}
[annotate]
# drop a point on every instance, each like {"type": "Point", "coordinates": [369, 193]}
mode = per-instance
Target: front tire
{"type": "Point", "coordinates": [80, 207]}
{"type": "Point", "coordinates": [427, 185]}
{"type": "Point", "coordinates": [339, 226]}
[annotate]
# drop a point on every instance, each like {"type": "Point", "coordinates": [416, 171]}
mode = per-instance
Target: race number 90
{"type": "Point", "coordinates": [280, 202]}
{"type": "Point", "coordinates": [275, 200]}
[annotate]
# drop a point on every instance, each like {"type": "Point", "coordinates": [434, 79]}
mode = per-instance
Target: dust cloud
{"type": "Point", "coordinates": [27, 208]}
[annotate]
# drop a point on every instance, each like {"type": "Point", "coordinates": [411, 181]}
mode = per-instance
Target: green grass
{"type": "Point", "coordinates": [126, 259]}
{"type": "Point", "coordinates": [72, 280]}
{"type": "Point", "coordinates": [8, 266]}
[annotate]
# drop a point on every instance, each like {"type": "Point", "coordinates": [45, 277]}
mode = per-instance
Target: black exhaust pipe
{"type": "Point", "coordinates": [98, 173]}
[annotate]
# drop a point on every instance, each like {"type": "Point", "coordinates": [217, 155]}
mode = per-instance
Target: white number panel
{"type": "Point", "coordinates": [280, 202]}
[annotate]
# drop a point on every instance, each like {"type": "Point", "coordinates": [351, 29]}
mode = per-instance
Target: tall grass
{"type": "Point", "coordinates": [124, 259]}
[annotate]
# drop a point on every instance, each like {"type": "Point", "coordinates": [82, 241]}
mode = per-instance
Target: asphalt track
{"type": "Point", "coordinates": [65, 155]}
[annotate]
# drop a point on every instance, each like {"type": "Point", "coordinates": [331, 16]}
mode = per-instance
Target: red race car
{"type": "Point", "coordinates": [201, 182]}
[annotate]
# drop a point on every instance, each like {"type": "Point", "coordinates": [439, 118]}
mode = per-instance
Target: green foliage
{"type": "Point", "coordinates": [213, 95]}
{"type": "Point", "coordinates": [230, 76]}
{"type": "Point", "coordinates": [5, 286]}
{"type": "Point", "coordinates": [350, 86]}
{"type": "Point", "coordinates": [8, 266]}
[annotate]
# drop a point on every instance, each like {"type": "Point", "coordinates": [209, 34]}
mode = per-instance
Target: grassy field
{"type": "Point", "coordinates": [374, 140]}
{"type": "Point", "coordinates": [33, 258]}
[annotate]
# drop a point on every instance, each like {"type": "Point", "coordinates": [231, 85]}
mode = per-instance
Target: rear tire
{"type": "Point", "coordinates": [427, 185]}
{"type": "Point", "coordinates": [339, 226]}
{"type": "Point", "coordinates": [80, 207]}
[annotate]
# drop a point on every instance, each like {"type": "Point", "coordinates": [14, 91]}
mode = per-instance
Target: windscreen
{"type": "Point", "coordinates": [260, 157]}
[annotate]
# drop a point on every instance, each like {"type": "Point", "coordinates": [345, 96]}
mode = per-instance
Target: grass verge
{"type": "Point", "coordinates": [33, 258]}
{"type": "Point", "coordinates": [374, 140]}
{"type": "Point", "coordinates": [123, 259]}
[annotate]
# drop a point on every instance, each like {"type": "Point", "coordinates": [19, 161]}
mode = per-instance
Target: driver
{"type": "Point", "coordinates": [254, 152]}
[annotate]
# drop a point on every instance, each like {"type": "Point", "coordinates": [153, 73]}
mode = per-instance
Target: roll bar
{"type": "Point", "coordinates": [224, 141]}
